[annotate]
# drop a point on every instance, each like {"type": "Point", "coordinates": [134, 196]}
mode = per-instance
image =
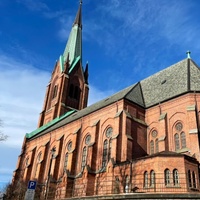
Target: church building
{"type": "Point", "coordinates": [145, 138]}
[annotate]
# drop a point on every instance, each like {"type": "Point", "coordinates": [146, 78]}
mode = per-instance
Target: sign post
{"type": "Point", "coordinates": [30, 193]}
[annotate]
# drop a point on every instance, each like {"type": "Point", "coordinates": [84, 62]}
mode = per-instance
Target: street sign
{"type": "Point", "coordinates": [30, 193]}
{"type": "Point", "coordinates": [32, 185]}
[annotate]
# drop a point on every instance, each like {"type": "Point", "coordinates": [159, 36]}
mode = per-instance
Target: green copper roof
{"type": "Point", "coordinates": [53, 122]}
{"type": "Point", "coordinates": [74, 43]}
{"type": "Point", "coordinates": [74, 63]}
{"type": "Point", "coordinates": [61, 63]}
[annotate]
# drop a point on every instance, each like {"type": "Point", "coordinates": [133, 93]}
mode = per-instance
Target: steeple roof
{"type": "Point", "coordinates": [74, 43]}
{"type": "Point", "coordinates": [78, 19]}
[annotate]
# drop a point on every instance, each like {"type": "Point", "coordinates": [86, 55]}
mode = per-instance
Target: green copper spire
{"type": "Point", "coordinates": [74, 43]}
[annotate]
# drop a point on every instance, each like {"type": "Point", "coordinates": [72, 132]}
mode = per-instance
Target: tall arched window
{"type": "Point", "coordinates": [152, 178]}
{"type": "Point", "coordinates": [189, 179]}
{"type": "Point", "coordinates": [110, 147]}
{"type": "Point", "coordinates": [175, 177]}
{"type": "Point", "coordinates": [194, 180]}
{"type": "Point", "coordinates": [183, 140]}
{"type": "Point", "coordinates": [105, 153]}
{"type": "Point", "coordinates": [167, 177]}
{"type": "Point", "coordinates": [26, 162]}
{"type": "Point", "coordinates": [37, 164]}
{"type": "Point", "coordinates": [176, 140]}
{"type": "Point", "coordinates": [84, 155]}
{"type": "Point", "coordinates": [66, 162]}
{"type": "Point", "coordinates": [71, 91]}
{"type": "Point", "coordinates": [152, 147]}
{"type": "Point", "coordinates": [157, 147]}
{"type": "Point", "coordinates": [145, 179]}
{"type": "Point", "coordinates": [76, 93]}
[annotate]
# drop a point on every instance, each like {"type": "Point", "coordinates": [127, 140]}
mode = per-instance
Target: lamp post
{"type": "Point", "coordinates": [49, 172]}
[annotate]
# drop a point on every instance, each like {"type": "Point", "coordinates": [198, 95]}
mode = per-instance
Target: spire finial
{"type": "Point", "coordinates": [81, 1]}
{"type": "Point", "coordinates": [188, 54]}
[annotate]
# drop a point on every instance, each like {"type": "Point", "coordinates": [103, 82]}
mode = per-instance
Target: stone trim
{"type": "Point", "coordinates": [193, 131]}
{"type": "Point", "coordinates": [191, 108]}
{"type": "Point", "coordinates": [162, 138]}
{"type": "Point", "coordinates": [162, 116]}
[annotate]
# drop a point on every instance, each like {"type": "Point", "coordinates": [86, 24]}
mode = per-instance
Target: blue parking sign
{"type": "Point", "coordinates": [32, 185]}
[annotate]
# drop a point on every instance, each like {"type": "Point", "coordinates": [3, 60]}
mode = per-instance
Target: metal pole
{"type": "Point", "coordinates": [49, 173]}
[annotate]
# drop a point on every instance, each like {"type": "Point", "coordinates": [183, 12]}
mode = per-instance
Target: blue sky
{"type": "Point", "coordinates": [124, 41]}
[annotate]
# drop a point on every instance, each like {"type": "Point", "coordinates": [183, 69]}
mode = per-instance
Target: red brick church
{"type": "Point", "coordinates": [145, 138]}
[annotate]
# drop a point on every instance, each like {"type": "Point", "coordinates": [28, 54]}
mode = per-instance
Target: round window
{"type": "Point", "coordinates": [179, 126]}
{"type": "Point", "coordinates": [88, 139]}
{"type": "Point", "coordinates": [154, 133]}
{"type": "Point", "coordinates": [69, 146]}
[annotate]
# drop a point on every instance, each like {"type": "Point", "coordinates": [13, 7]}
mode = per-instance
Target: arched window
{"type": "Point", "coordinates": [152, 147]}
{"type": "Point", "coordinates": [145, 179]}
{"type": "Point", "coordinates": [105, 153]}
{"type": "Point", "coordinates": [183, 140]}
{"type": "Point", "coordinates": [167, 177]}
{"type": "Point", "coordinates": [71, 91]}
{"type": "Point", "coordinates": [157, 147]}
{"type": "Point", "coordinates": [152, 178]}
{"type": "Point", "coordinates": [189, 179]}
{"type": "Point", "coordinates": [55, 90]}
{"type": "Point", "coordinates": [84, 155]}
{"type": "Point", "coordinates": [176, 140]}
{"type": "Point", "coordinates": [37, 164]}
{"type": "Point", "coordinates": [175, 177]}
{"type": "Point", "coordinates": [194, 180]}
{"type": "Point", "coordinates": [76, 93]}
{"type": "Point", "coordinates": [110, 147]}
{"type": "Point", "coordinates": [66, 162]}
{"type": "Point", "coordinates": [27, 162]}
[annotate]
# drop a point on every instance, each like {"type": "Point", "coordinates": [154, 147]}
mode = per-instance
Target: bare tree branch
{"type": "Point", "coordinates": [3, 137]}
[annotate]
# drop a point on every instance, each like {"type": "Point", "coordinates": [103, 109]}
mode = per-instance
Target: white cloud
{"type": "Point", "coordinates": [23, 88]}
{"type": "Point", "coordinates": [22, 93]}
{"type": "Point", "coordinates": [34, 5]}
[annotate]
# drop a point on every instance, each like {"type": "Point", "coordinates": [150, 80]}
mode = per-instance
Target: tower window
{"type": "Point", "coordinates": [76, 93]}
{"type": "Point", "coordinates": [71, 90]}
{"type": "Point", "coordinates": [55, 90]}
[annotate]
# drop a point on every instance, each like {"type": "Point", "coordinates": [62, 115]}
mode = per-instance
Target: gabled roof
{"type": "Point", "coordinates": [171, 82]}
{"type": "Point", "coordinates": [175, 80]}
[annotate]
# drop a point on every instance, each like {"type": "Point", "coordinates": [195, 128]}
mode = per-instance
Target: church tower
{"type": "Point", "coordinates": [68, 87]}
